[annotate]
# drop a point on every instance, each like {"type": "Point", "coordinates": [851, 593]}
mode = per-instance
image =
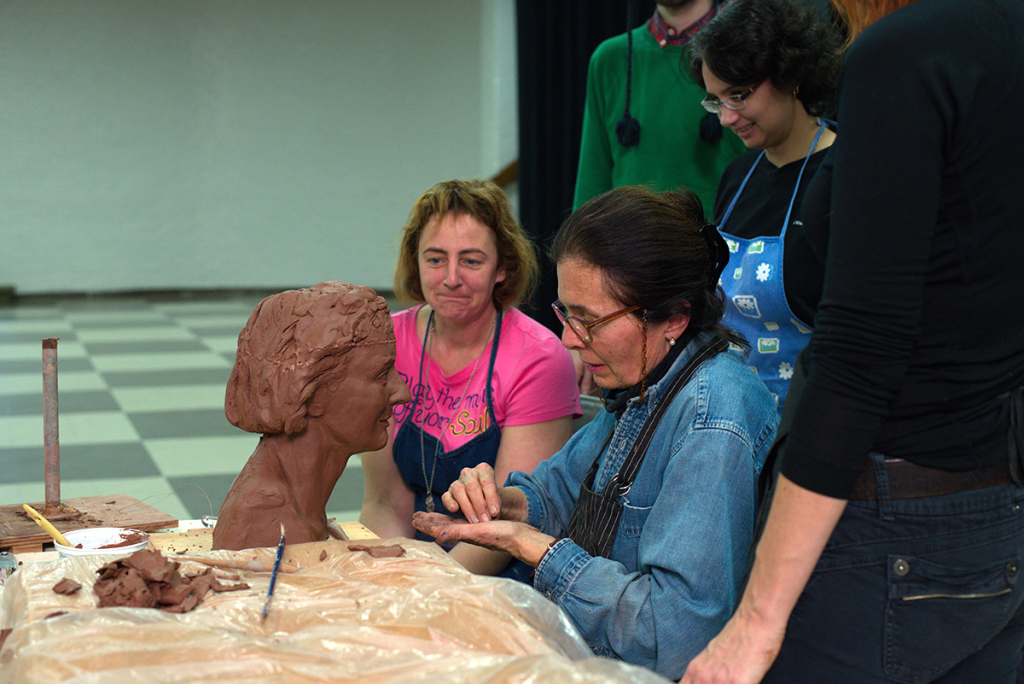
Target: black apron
{"type": "Point", "coordinates": [595, 518]}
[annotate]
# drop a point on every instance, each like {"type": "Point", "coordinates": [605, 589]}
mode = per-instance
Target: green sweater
{"type": "Point", "coordinates": [666, 102]}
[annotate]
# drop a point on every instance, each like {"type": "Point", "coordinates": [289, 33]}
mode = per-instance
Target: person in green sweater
{"type": "Point", "coordinates": [641, 125]}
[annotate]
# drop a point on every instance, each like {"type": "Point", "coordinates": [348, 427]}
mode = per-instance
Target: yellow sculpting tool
{"type": "Point", "coordinates": [46, 525]}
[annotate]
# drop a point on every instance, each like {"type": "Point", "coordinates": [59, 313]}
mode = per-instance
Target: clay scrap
{"type": "Point", "coordinates": [382, 551]}
{"type": "Point", "coordinates": [66, 587]}
{"type": "Point", "coordinates": [128, 538]}
{"type": "Point", "coordinates": [146, 579]}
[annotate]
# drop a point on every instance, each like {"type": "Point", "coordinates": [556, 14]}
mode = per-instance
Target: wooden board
{"type": "Point", "coordinates": [201, 539]}
{"type": "Point", "coordinates": [19, 534]}
{"type": "Point", "coordinates": [187, 541]}
{"type": "Point", "coordinates": [349, 530]}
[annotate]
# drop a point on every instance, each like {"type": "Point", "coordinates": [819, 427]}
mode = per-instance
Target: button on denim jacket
{"type": "Point", "coordinates": [675, 570]}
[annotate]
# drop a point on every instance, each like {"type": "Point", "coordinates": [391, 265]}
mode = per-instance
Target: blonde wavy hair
{"type": "Point", "coordinates": [487, 203]}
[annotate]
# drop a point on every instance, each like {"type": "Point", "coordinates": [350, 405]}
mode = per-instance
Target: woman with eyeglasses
{"type": "Point", "coordinates": [640, 527]}
{"type": "Point", "coordinates": [893, 550]}
{"type": "Point", "coordinates": [769, 68]}
{"type": "Point", "coordinates": [489, 384]}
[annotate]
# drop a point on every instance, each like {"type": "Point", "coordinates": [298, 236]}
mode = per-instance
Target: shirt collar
{"type": "Point", "coordinates": [666, 35]}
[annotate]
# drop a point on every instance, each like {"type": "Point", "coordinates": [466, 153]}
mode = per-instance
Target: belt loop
{"type": "Point", "coordinates": [1015, 439]}
{"type": "Point", "coordinates": [882, 486]}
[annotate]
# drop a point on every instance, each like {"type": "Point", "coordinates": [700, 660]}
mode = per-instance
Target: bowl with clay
{"type": "Point", "coordinates": [98, 541]}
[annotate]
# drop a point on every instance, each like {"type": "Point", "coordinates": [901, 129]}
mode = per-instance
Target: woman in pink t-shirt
{"type": "Point", "coordinates": [489, 384]}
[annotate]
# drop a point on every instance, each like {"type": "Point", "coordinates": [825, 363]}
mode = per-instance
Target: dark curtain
{"type": "Point", "coordinates": [555, 41]}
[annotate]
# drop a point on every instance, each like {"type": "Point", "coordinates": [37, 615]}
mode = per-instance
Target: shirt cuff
{"type": "Point", "coordinates": [558, 569]}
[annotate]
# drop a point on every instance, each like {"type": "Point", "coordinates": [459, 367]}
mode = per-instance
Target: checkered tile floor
{"type": "Point", "coordinates": [141, 394]}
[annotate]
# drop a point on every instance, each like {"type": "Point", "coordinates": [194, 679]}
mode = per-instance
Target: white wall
{"type": "Point", "coordinates": [238, 143]}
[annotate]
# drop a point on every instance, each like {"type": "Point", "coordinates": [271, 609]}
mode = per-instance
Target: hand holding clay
{"type": "Point", "coordinates": [477, 497]}
{"type": "Point", "coordinates": [315, 374]}
{"type": "Point", "coordinates": [517, 539]}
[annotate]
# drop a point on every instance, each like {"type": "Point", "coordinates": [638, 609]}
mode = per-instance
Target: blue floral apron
{"type": "Point", "coordinates": [756, 298]}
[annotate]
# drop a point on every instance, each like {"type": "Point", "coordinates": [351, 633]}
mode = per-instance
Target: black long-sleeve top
{"type": "Point", "coordinates": [920, 329]}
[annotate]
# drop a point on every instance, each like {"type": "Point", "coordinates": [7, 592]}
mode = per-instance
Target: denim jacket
{"type": "Point", "coordinates": [679, 558]}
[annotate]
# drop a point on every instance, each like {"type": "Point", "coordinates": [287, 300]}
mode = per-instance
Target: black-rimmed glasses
{"type": "Point", "coordinates": [581, 327]}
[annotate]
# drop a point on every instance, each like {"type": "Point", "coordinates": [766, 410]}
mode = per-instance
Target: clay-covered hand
{"type": "Point", "coordinates": [517, 539]}
{"type": "Point", "coordinates": [477, 497]}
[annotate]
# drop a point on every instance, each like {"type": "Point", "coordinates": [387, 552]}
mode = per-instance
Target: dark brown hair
{"type": "Point", "coordinates": [654, 252]}
{"type": "Point", "coordinates": [787, 42]}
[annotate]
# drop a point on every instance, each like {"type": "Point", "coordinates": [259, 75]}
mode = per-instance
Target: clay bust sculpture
{"type": "Point", "coordinates": [315, 374]}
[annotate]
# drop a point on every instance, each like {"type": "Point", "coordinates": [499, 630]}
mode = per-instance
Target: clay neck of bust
{"type": "Point", "coordinates": [308, 466]}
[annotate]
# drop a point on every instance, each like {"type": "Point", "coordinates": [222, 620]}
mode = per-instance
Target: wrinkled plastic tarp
{"type": "Point", "coordinates": [349, 617]}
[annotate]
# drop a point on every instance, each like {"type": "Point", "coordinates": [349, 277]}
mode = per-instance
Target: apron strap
{"type": "Point", "coordinates": [595, 518]}
{"type": "Point", "coordinates": [621, 483]}
{"type": "Point", "coordinates": [735, 198]}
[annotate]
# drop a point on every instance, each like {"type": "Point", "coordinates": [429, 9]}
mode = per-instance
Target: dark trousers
{"type": "Point", "coordinates": [914, 590]}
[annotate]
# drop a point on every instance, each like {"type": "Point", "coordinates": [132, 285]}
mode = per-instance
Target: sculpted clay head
{"type": "Point", "coordinates": [315, 374]}
{"type": "Point", "coordinates": [290, 346]}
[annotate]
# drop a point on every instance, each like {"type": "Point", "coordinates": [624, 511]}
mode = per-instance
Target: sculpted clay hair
{"type": "Point", "coordinates": [294, 342]}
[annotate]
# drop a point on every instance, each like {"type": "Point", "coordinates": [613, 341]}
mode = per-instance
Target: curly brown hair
{"type": "Point", "coordinates": [787, 42]}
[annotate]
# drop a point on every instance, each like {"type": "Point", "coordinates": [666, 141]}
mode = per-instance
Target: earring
{"type": "Point", "coordinates": [671, 341]}
{"type": "Point", "coordinates": [796, 92]}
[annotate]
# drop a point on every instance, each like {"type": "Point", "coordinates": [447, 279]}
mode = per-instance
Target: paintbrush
{"type": "Point", "coordinates": [273, 573]}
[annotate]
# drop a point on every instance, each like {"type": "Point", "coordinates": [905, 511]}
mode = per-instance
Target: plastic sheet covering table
{"type": "Point", "coordinates": [337, 616]}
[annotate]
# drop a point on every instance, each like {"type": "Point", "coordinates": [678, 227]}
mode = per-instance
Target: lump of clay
{"type": "Point", "coordinates": [146, 579]}
{"type": "Point", "coordinates": [66, 587]}
{"type": "Point", "coordinates": [381, 551]}
{"type": "Point", "coordinates": [315, 375]}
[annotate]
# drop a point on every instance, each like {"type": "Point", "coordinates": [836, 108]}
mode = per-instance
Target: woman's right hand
{"type": "Point", "coordinates": [478, 498]}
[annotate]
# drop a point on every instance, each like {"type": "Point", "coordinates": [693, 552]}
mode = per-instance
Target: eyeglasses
{"type": "Point", "coordinates": [581, 327]}
{"type": "Point", "coordinates": [733, 102]}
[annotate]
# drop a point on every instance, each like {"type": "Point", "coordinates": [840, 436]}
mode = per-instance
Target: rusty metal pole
{"type": "Point", "coordinates": [51, 429]}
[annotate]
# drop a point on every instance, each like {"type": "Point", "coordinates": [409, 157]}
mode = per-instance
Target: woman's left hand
{"type": "Point", "coordinates": [517, 539]}
{"type": "Point", "coordinates": [741, 654]}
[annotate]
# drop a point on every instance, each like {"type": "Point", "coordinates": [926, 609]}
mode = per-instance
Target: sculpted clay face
{"type": "Point", "coordinates": [315, 374]}
{"type": "Point", "coordinates": [356, 408]}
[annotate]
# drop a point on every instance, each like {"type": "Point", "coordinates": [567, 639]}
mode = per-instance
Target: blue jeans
{"type": "Point", "coordinates": [914, 590]}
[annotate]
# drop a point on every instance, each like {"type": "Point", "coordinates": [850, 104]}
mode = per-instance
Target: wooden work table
{"type": "Point", "coordinates": [193, 536]}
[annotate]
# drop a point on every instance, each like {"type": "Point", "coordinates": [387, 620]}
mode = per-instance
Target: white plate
{"type": "Point", "coordinates": [93, 538]}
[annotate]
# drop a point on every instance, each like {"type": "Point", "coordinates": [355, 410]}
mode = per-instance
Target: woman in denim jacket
{"type": "Point", "coordinates": [640, 527]}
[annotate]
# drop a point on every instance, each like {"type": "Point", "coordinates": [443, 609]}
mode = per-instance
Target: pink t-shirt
{"type": "Point", "coordinates": [534, 381]}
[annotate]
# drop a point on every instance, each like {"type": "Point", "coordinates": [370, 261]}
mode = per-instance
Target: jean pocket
{"type": "Point", "coordinates": [633, 520]}
{"type": "Point", "coordinates": [938, 614]}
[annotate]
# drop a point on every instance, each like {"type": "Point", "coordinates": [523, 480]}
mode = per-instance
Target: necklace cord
{"type": "Point", "coordinates": [424, 354]}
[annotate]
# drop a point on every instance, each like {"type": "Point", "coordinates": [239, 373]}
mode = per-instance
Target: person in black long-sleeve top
{"type": "Point", "coordinates": [896, 535]}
